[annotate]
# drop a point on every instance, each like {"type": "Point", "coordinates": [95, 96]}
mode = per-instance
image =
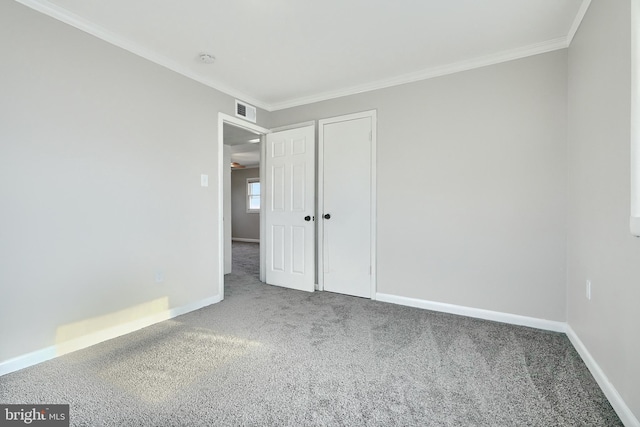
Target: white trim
{"type": "Point", "coordinates": [373, 115]}
{"type": "Point", "coordinates": [320, 209]}
{"type": "Point", "coordinates": [294, 126]}
{"type": "Point", "coordinates": [618, 404]}
{"type": "Point", "coordinates": [82, 24]}
{"type": "Point", "coordinates": [27, 360]}
{"type": "Point", "coordinates": [582, 11]}
{"type": "Point", "coordinates": [235, 121]}
{"type": "Point", "coordinates": [374, 204]}
{"type": "Point", "coordinates": [478, 313]}
{"type": "Point", "coordinates": [242, 239]}
{"type": "Point", "coordinates": [429, 73]}
{"type": "Point", "coordinates": [94, 338]}
{"type": "Point", "coordinates": [616, 400]}
{"type": "Point", "coordinates": [263, 205]}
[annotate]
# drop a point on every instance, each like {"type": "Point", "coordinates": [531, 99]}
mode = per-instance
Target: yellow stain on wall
{"type": "Point", "coordinates": [84, 333]}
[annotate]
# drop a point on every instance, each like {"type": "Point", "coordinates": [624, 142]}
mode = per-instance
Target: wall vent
{"type": "Point", "coordinates": [246, 111]}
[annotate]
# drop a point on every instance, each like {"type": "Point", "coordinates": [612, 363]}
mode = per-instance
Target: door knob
{"type": "Point", "coordinates": [307, 218]}
{"type": "Point", "coordinates": [327, 216]}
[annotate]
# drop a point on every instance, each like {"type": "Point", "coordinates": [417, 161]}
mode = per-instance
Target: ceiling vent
{"type": "Point", "coordinates": [246, 111]}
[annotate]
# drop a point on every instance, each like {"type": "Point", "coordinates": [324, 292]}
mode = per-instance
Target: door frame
{"type": "Point", "coordinates": [320, 204]}
{"type": "Point", "coordinates": [234, 121]}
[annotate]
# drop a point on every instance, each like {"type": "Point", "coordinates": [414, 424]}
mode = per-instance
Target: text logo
{"type": "Point", "coordinates": [34, 415]}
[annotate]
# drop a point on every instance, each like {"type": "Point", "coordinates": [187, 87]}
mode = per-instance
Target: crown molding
{"type": "Point", "coordinates": [582, 11]}
{"type": "Point", "coordinates": [429, 73]}
{"type": "Point", "coordinates": [82, 24]}
{"type": "Point", "coordinates": [63, 15]}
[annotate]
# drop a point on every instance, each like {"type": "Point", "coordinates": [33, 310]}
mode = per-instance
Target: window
{"type": "Point", "coordinates": [253, 195]}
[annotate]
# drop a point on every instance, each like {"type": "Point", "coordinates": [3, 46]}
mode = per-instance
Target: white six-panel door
{"type": "Point", "coordinates": [289, 208]}
{"type": "Point", "coordinates": [346, 199]}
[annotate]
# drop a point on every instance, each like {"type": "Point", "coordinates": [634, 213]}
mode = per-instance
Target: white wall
{"type": "Point", "coordinates": [101, 154]}
{"type": "Point", "coordinates": [244, 225]}
{"type": "Point", "coordinates": [471, 185]}
{"type": "Point", "coordinates": [100, 160]}
{"type": "Point", "coordinates": [600, 247]}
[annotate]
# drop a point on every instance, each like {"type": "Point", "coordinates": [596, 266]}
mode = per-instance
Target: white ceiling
{"type": "Point", "coordinates": [281, 53]}
{"type": "Point", "coordinates": [242, 150]}
{"type": "Point", "coordinates": [235, 135]}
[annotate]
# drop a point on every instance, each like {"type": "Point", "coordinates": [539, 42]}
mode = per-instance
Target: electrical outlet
{"type": "Point", "coordinates": [589, 290]}
{"type": "Point", "coordinates": [159, 277]}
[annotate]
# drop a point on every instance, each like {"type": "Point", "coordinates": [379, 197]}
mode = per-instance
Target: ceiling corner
{"type": "Point", "coordinates": [578, 20]}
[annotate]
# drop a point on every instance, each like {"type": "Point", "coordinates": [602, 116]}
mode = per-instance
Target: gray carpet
{"type": "Point", "coordinates": [267, 356]}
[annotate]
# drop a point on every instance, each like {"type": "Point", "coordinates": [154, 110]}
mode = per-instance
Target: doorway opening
{"type": "Point", "coordinates": [287, 222]}
{"type": "Point", "coordinates": [240, 152]}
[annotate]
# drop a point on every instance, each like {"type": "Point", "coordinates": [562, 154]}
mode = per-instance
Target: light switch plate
{"type": "Point", "coordinates": [204, 180]}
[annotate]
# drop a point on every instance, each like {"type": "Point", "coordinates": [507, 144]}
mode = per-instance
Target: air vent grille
{"type": "Point", "coordinates": [246, 111]}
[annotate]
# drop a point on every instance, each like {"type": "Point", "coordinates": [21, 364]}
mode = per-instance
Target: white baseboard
{"type": "Point", "coordinates": [496, 316]}
{"type": "Point", "coordinates": [242, 239]}
{"type": "Point", "coordinates": [29, 359]}
{"type": "Point", "coordinates": [621, 408]}
{"type": "Point", "coordinates": [88, 340]}
{"type": "Point", "coordinates": [618, 404]}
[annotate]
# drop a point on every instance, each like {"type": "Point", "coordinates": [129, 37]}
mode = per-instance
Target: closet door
{"type": "Point", "coordinates": [346, 199]}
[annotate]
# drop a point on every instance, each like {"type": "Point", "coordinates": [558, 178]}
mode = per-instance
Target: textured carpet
{"type": "Point", "coordinates": [245, 261]}
{"type": "Point", "coordinates": [275, 357]}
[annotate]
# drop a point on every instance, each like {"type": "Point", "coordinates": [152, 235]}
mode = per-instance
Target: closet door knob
{"type": "Point", "coordinates": [307, 218]}
{"type": "Point", "coordinates": [327, 216]}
